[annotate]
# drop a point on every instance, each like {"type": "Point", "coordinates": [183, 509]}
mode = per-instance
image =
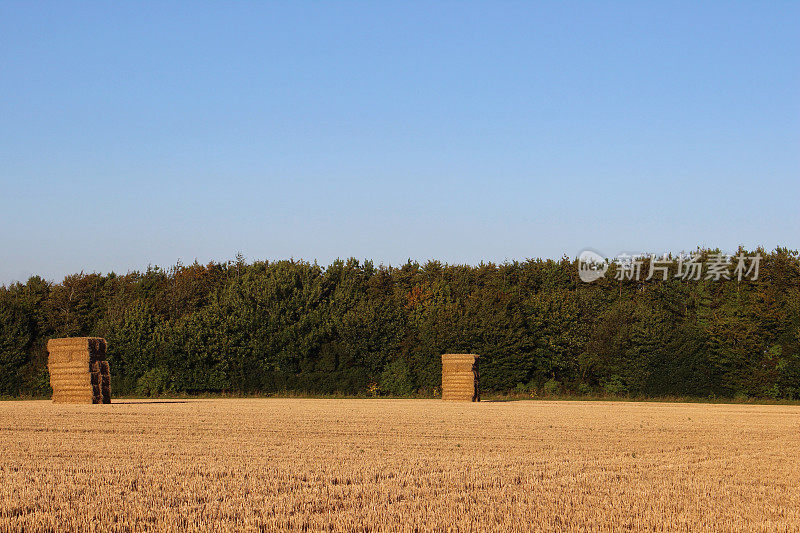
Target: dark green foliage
{"type": "Point", "coordinates": [16, 336]}
{"type": "Point", "coordinates": [355, 328]}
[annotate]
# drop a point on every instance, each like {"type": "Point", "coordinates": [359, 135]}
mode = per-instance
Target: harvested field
{"type": "Point", "coordinates": [382, 464]}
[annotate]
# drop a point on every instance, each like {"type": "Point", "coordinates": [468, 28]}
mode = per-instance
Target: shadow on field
{"type": "Point", "coordinates": [146, 402]}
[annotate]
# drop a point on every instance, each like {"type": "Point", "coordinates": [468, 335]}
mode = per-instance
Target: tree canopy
{"type": "Point", "coordinates": [354, 327]}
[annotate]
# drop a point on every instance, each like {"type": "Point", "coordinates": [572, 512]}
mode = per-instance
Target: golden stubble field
{"type": "Point", "coordinates": [361, 465]}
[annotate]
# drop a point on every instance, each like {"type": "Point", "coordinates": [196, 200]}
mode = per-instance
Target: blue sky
{"type": "Point", "coordinates": [147, 133]}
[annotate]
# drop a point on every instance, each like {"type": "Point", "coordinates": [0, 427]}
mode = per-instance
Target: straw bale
{"type": "Point", "coordinates": [63, 385]}
{"type": "Point", "coordinates": [67, 367]}
{"type": "Point", "coordinates": [73, 397]}
{"type": "Point", "coordinates": [460, 377]}
{"type": "Point", "coordinates": [76, 374]}
{"type": "Point", "coordinates": [69, 373]}
{"type": "Point", "coordinates": [68, 356]}
{"type": "Point", "coordinates": [97, 395]}
{"type": "Point", "coordinates": [97, 347]}
{"type": "Point", "coordinates": [105, 383]}
{"type": "Point", "coordinates": [66, 343]}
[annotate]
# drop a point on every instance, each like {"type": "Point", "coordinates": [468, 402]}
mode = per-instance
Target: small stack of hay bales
{"type": "Point", "coordinates": [460, 377]}
{"type": "Point", "coordinates": [79, 372]}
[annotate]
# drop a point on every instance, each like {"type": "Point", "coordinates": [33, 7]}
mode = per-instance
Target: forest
{"type": "Point", "coordinates": [354, 328]}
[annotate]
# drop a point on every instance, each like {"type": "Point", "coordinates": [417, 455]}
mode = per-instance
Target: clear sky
{"type": "Point", "coordinates": [136, 133]}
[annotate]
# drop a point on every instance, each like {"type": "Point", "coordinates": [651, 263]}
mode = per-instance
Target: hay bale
{"type": "Point", "coordinates": [97, 396]}
{"type": "Point", "coordinates": [460, 377]}
{"type": "Point", "coordinates": [73, 396]}
{"type": "Point", "coordinates": [105, 383]}
{"type": "Point", "coordinates": [76, 370]}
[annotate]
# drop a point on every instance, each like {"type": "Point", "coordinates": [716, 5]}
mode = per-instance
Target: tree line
{"type": "Point", "coordinates": [356, 328]}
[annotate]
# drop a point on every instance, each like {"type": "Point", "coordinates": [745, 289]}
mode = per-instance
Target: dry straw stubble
{"type": "Point", "coordinates": [388, 465]}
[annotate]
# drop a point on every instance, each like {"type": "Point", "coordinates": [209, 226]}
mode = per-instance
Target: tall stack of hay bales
{"type": "Point", "coordinates": [460, 377]}
{"type": "Point", "coordinates": [79, 372]}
